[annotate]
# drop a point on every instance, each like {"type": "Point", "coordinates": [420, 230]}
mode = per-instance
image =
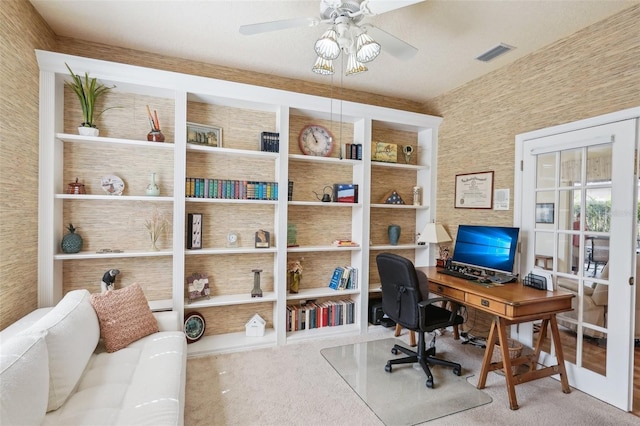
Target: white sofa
{"type": "Point", "coordinates": [54, 370]}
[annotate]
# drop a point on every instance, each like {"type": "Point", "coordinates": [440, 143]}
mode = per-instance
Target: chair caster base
{"type": "Point", "coordinates": [430, 382]}
{"type": "Point", "coordinates": [387, 368]}
{"type": "Point", "coordinates": [456, 371]}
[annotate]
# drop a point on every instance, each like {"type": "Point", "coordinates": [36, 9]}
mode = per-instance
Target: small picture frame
{"type": "Point", "coordinates": [263, 239]}
{"type": "Point", "coordinates": [201, 134]}
{"type": "Point", "coordinates": [198, 286]}
{"type": "Point", "coordinates": [194, 231]}
{"type": "Point", "coordinates": [544, 212]}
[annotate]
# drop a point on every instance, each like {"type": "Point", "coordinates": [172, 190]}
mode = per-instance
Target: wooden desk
{"type": "Point", "coordinates": [509, 304]}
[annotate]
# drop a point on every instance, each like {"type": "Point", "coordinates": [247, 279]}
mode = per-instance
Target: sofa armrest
{"type": "Point", "coordinates": [168, 321]}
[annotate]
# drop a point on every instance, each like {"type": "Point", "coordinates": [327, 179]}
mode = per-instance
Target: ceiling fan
{"type": "Point", "coordinates": [346, 34]}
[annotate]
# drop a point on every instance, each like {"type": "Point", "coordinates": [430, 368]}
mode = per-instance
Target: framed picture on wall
{"type": "Point", "coordinates": [474, 191]}
{"type": "Point", "coordinates": [544, 212]}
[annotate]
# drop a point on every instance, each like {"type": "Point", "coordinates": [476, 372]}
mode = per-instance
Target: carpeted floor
{"type": "Point", "coordinates": [295, 385]}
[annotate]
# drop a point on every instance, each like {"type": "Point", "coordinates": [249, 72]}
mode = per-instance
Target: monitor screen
{"type": "Point", "coordinates": [486, 247]}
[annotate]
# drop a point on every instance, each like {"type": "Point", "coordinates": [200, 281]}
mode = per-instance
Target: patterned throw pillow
{"type": "Point", "coordinates": [124, 316]}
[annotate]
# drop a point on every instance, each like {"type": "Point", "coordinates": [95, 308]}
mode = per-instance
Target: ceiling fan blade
{"type": "Point", "coordinates": [377, 7]}
{"type": "Point", "coordinates": [284, 24]}
{"type": "Point", "coordinates": [391, 44]}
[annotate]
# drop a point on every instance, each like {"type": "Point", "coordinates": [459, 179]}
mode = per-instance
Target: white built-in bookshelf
{"type": "Point", "coordinates": [117, 223]}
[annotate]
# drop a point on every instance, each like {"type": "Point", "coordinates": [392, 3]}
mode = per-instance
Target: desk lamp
{"type": "Point", "coordinates": [435, 233]}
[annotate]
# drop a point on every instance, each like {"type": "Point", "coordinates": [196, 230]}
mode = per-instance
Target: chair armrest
{"type": "Point", "coordinates": [168, 321]}
{"type": "Point", "coordinates": [422, 307]}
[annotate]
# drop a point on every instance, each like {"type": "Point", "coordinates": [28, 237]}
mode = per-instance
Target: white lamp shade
{"type": "Point", "coordinates": [323, 66]}
{"type": "Point", "coordinates": [434, 233]}
{"type": "Point", "coordinates": [327, 46]}
{"type": "Point", "coordinates": [353, 66]}
{"type": "Point", "coordinates": [366, 48]}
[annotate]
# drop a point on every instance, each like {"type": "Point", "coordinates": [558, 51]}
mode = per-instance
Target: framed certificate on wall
{"type": "Point", "coordinates": [474, 191]}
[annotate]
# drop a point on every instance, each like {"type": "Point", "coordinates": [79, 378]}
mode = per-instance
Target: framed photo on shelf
{"type": "Point", "coordinates": [474, 191]}
{"type": "Point", "coordinates": [263, 239]}
{"type": "Point", "coordinates": [204, 135]}
{"type": "Point", "coordinates": [544, 212]}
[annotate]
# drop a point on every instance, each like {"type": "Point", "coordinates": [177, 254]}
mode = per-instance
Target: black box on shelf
{"type": "Point", "coordinates": [375, 312]}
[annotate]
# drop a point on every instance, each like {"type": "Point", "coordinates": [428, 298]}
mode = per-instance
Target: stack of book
{"type": "Point", "coordinates": [351, 151]}
{"type": "Point", "coordinates": [270, 141]}
{"type": "Point", "coordinates": [231, 189]}
{"type": "Point", "coordinates": [320, 314]}
{"type": "Point", "coordinates": [344, 278]}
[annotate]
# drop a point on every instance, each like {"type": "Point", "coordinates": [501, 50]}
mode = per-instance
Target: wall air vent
{"type": "Point", "coordinates": [493, 53]}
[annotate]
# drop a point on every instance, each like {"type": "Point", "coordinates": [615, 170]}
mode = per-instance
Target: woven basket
{"type": "Point", "coordinates": [515, 350]}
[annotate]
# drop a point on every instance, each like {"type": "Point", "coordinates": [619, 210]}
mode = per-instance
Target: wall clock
{"type": "Point", "coordinates": [194, 326]}
{"type": "Point", "coordinates": [194, 232]}
{"type": "Point", "coordinates": [315, 140]}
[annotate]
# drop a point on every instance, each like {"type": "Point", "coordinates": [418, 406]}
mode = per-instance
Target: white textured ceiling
{"type": "Point", "coordinates": [449, 35]}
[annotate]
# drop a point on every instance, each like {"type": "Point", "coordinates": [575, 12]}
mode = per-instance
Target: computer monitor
{"type": "Point", "coordinates": [491, 248]}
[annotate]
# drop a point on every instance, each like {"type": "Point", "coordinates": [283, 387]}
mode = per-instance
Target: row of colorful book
{"type": "Point", "coordinates": [231, 189]}
{"type": "Point", "coordinates": [321, 314]}
{"type": "Point", "coordinates": [344, 278]}
{"type": "Point", "coordinates": [351, 151]}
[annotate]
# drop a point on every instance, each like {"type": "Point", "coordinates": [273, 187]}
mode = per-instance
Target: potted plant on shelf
{"type": "Point", "coordinates": [88, 91]}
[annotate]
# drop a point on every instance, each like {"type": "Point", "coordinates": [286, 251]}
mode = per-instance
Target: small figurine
{"type": "Point", "coordinates": [257, 291]}
{"type": "Point", "coordinates": [109, 280]}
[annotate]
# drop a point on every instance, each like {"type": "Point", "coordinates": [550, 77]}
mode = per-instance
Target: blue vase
{"type": "Point", "coordinates": [394, 234]}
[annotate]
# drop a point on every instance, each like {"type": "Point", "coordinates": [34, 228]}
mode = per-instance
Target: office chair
{"type": "Point", "coordinates": [403, 303]}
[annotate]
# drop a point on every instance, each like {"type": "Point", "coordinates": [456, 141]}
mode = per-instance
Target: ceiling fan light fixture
{"type": "Point", "coordinates": [354, 66]}
{"type": "Point", "coordinates": [323, 66]}
{"type": "Point", "coordinates": [367, 49]}
{"type": "Point", "coordinates": [327, 46]}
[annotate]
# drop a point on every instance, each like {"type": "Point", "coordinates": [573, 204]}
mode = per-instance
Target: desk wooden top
{"type": "Point", "coordinates": [512, 301]}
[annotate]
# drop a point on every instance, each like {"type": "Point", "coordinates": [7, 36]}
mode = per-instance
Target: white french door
{"type": "Point", "coordinates": [578, 209]}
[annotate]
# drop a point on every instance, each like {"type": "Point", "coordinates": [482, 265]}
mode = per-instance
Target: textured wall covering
{"type": "Point", "coordinates": [593, 72]}
{"type": "Point", "coordinates": [21, 31]}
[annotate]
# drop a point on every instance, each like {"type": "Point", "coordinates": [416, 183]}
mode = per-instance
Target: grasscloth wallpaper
{"type": "Point", "coordinates": [592, 72]}
{"type": "Point", "coordinates": [21, 31]}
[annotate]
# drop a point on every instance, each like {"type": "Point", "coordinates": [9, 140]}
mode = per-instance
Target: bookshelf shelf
{"type": "Point", "coordinates": [232, 152]}
{"type": "Point", "coordinates": [314, 293]}
{"type": "Point", "coordinates": [398, 247]}
{"type": "Point", "coordinates": [321, 248]}
{"type": "Point", "coordinates": [234, 250]}
{"type": "Point", "coordinates": [112, 255]}
{"type": "Point", "coordinates": [228, 201]}
{"type": "Point", "coordinates": [399, 206]}
{"type": "Point", "coordinates": [230, 299]}
{"type": "Point", "coordinates": [66, 137]}
{"type": "Point", "coordinates": [113, 198]}
{"type": "Point", "coordinates": [376, 164]}
{"type": "Point", "coordinates": [243, 112]}
{"type": "Point", "coordinates": [325, 160]}
{"type": "Point", "coordinates": [231, 342]}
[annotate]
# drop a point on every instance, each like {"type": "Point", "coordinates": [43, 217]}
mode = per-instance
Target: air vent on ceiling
{"type": "Point", "coordinates": [493, 53]}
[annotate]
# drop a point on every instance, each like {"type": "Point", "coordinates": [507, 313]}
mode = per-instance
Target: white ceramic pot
{"type": "Point", "coordinates": [88, 131]}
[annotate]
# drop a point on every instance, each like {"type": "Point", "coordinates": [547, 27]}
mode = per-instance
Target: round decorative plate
{"type": "Point", "coordinates": [194, 326]}
{"type": "Point", "coordinates": [112, 185]}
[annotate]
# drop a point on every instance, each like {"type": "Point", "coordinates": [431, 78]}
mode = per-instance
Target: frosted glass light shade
{"type": "Point", "coordinates": [367, 49]}
{"type": "Point", "coordinates": [353, 66]}
{"type": "Point", "coordinates": [327, 46]}
{"type": "Point", "coordinates": [323, 66]}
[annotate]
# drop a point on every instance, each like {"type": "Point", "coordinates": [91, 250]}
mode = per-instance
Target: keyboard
{"type": "Point", "coordinates": [502, 279]}
{"type": "Point", "coordinates": [457, 274]}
